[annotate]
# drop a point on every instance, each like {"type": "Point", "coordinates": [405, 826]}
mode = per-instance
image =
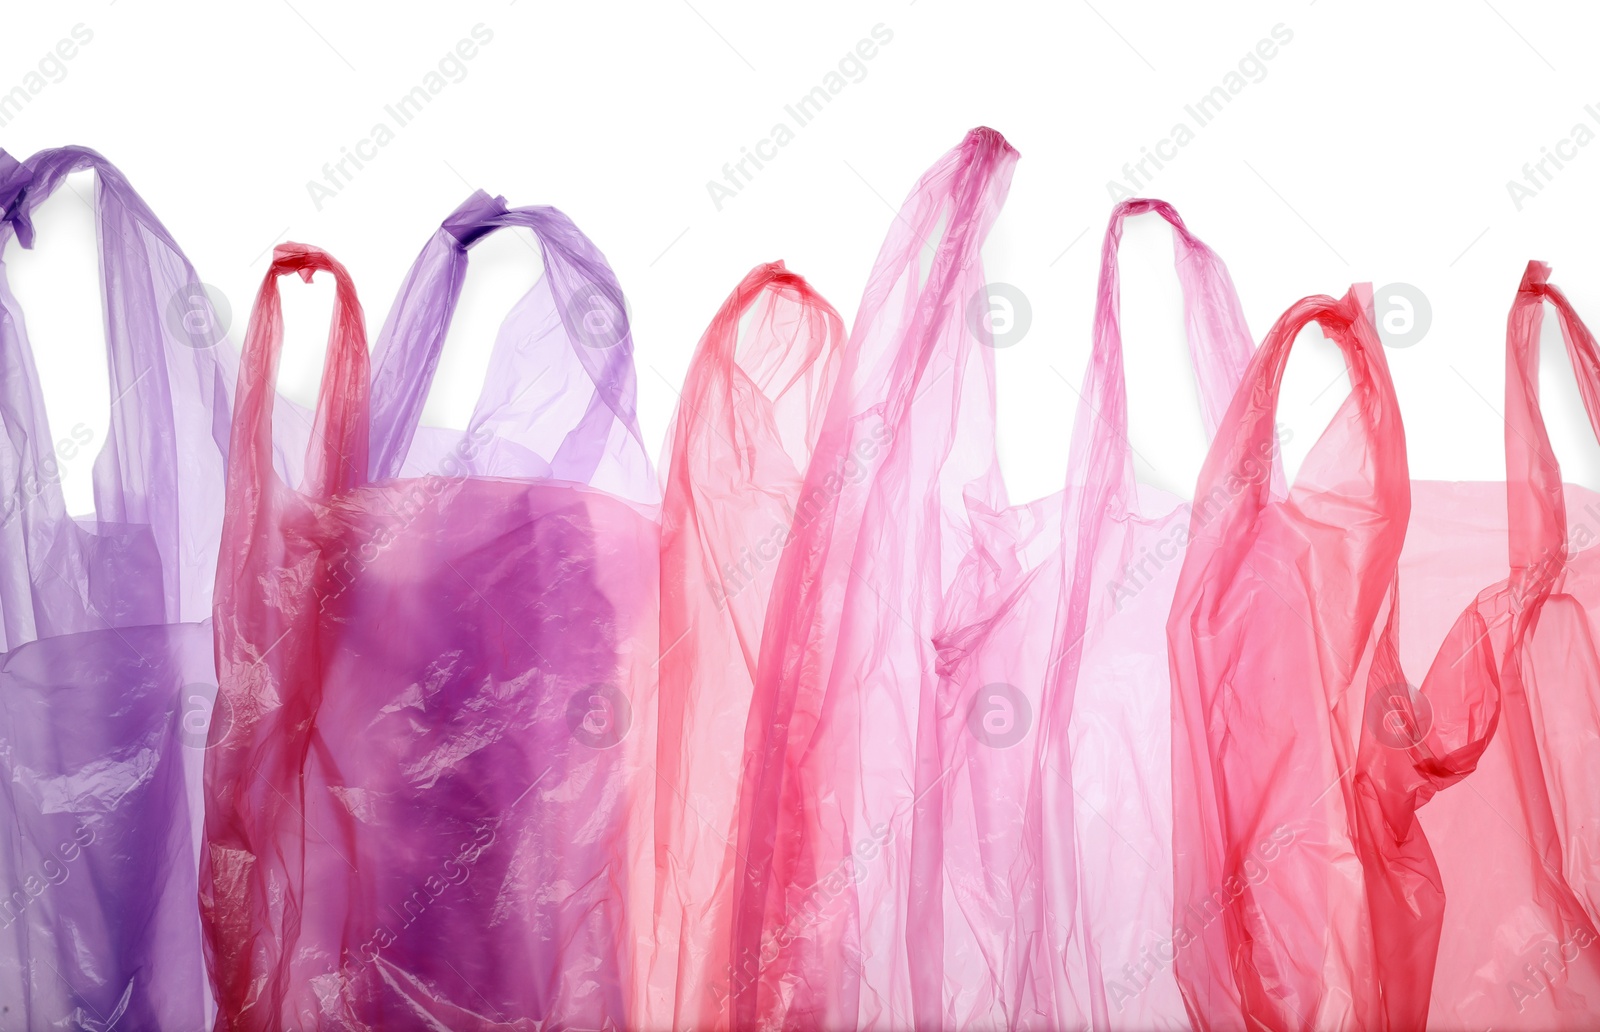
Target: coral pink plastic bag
{"type": "Point", "coordinates": [1279, 625]}
{"type": "Point", "coordinates": [752, 405]}
{"type": "Point", "coordinates": [823, 896]}
{"type": "Point", "coordinates": [1550, 708]}
{"type": "Point", "coordinates": [1324, 879]}
{"type": "Point", "coordinates": [417, 821]}
{"type": "Point", "coordinates": [1307, 894]}
{"type": "Point", "coordinates": [1514, 684]}
{"type": "Point", "coordinates": [1046, 846]}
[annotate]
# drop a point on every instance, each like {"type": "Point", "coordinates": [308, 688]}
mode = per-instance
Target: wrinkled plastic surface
{"type": "Point", "coordinates": [106, 680]}
{"type": "Point", "coordinates": [824, 901]}
{"type": "Point", "coordinates": [1051, 823]}
{"type": "Point", "coordinates": [1307, 895]}
{"type": "Point", "coordinates": [1512, 692]}
{"type": "Point", "coordinates": [1275, 625]}
{"type": "Point", "coordinates": [438, 681]}
{"type": "Point", "coordinates": [752, 406]}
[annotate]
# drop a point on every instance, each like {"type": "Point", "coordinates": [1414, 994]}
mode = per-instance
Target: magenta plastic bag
{"type": "Point", "coordinates": [753, 402]}
{"type": "Point", "coordinates": [106, 680]}
{"type": "Point", "coordinates": [823, 896]}
{"type": "Point", "coordinates": [1051, 824]}
{"type": "Point", "coordinates": [440, 681]}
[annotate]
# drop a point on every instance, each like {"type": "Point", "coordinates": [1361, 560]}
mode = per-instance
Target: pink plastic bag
{"type": "Point", "coordinates": [1052, 823]}
{"type": "Point", "coordinates": [1307, 894]}
{"type": "Point", "coordinates": [752, 405]}
{"type": "Point", "coordinates": [1512, 693]}
{"type": "Point", "coordinates": [824, 898]}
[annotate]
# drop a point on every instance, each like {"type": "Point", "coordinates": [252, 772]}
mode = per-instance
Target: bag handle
{"type": "Point", "coordinates": [1219, 340]}
{"type": "Point", "coordinates": [336, 457]}
{"type": "Point", "coordinates": [965, 190]}
{"type": "Point", "coordinates": [26, 185]}
{"type": "Point", "coordinates": [1243, 455]}
{"type": "Point", "coordinates": [162, 461]}
{"type": "Point", "coordinates": [904, 345]}
{"type": "Point", "coordinates": [588, 300]}
{"type": "Point", "coordinates": [1536, 502]}
{"type": "Point", "coordinates": [719, 345]}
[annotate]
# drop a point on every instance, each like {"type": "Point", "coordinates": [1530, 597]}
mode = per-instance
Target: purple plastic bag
{"type": "Point", "coordinates": [558, 398]}
{"type": "Point", "coordinates": [107, 677]}
{"type": "Point", "coordinates": [425, 815]}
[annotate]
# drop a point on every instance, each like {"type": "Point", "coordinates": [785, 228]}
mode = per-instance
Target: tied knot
{"type": "Point", "coordinates": [475, 219]}
{"type": "Point", "coordinates": [15, 178]}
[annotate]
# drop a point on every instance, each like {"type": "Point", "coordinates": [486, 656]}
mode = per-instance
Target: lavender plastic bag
{"type": "Point", "coordinates": [107, 676]}
{"type": "Point", "coordinates": [558, 399]}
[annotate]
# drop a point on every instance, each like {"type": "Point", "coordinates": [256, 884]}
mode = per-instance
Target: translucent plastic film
{"type": "Point", "coordinates": [106, 679]}
{"type": "Point", "coordinates": [440, 685]}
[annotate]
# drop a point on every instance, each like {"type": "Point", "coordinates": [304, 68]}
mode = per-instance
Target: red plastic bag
{"type": "Point", "coordinates": [752, 405]}
{"type": "Point", "coordinates": [1281, 627]}
{"type": "Point", "coordinates": [1324, 879]}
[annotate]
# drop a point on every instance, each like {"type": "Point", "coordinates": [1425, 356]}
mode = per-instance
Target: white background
{"type": "Point", "coordinates": [1377, 147]}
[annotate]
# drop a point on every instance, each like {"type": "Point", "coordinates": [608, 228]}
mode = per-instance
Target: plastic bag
{"type": "Point", "coordinates": [1326, 879]}
{"type": "Point", "coordinates": [1055, 814]}
{"type": "Point", "coordinates": [569, 337]}
{"type": "Point", "coordinates": [823, 904]}
{"type": "Point", "coordinates": [753, 402]}
{"type": "Point", "coordinates": [439, 682]}
{"type": "Point", "coordinates": [106, 681]}
{"type": "Point", "coordinates": [1511, 692]}
{"type": "Point", "coordinates": [1307, 896]}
